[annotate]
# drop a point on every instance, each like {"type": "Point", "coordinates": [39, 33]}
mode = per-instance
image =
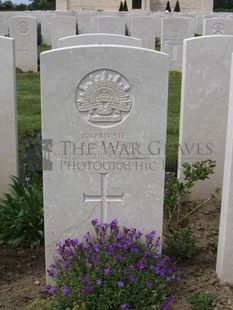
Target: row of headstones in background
{"type": "Point", "coordinates": [8, 119]}
{"type": "Point", "coordinates": [24, 31]}
{"type": "Point", "coordinates": [104, 125]}
{"type": "Point", "coordinates": [87, 19]}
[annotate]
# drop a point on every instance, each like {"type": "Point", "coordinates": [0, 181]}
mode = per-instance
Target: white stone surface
{"type": "Point", "coordinates": [4, 24]}
{"type": "Point", "coordinates": [114, 25]}
{"type": "Point", "coordinates": [8, 123]}
{"type": "Point", "coordinates": [46, 27]}
{"type": "Point", "coordinates": [225, 242]}
{"type": "Point", "coordinates": [204, 106]}
{"type": "Point", "coordinates": [218, 26]}
{"type": "Point", "coordinates": [174, 31]}
{"type": "Point", "coordinates": [199, 23]}
{"type": "Point", "coordinates": [113, 128]}
{"type": "Point", "coordinates": [24, 31]}
{"type": "Point", "coordinates": [87, 39]}
{"type": "Point", "coordinates": [86, 22]}
{"type": "Point", "coordinates": [144, 28]}
{"type": "Point", "coordinates": [62, 26]}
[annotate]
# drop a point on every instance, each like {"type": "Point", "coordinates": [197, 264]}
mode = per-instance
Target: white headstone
{"type": "Point", "coordinates": [8, 123]}
{"type": "Point", "coordinates": [204, 106]}
{"type": "Point", "coordinates": [225, 242]}
{"type": "Point", "coordinates": [113, 25]}
{"type": "Point", "coordinates": [62, 26]}
{"type": "Point", "coordinates": [199, 23]}
{"type": "Point", "coordinates": [24, 31]}
{"type": "Point", "coordinates": [107, 126]}
{"type": "Point", "coordinates": [46, 28]}
{"type": "Point", "coordinates": [86, 22]}
{"type": "Point", "coordinates": [144, 29]}
{"type": "Point", "coordinates": [4, 24]}
{"type": "Point", "coordinates": [174, 31]}
{"type": "Point", "coordinates": [87, 39]}
{"type": "Point", "coordinates": [218, 26]}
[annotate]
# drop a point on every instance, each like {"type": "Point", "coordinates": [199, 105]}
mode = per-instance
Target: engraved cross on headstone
{"type": "Point", "coordinates": [104, 198]}
{"type": "Point", "coordinates": [23, 51]}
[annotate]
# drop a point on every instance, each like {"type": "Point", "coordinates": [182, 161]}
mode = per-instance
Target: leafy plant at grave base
{"type": "Point", "coordinates": [21, 214]}
{"type": "Point", "coordinates": [116, 269]}
{"type": "Point", "coordinates": [179, 246]}
{"type": "Point", "coordinates": [30, 155]}
{"type": "Point", "coordinates": [202, 301]}
{"type": "Point", "coordinates": [176, 189]}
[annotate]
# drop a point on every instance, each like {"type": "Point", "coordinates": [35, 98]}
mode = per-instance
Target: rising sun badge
{"type": "Point", "coordinates": [104, 98]}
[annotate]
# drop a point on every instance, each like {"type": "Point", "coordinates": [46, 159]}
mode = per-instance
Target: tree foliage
{"type": "Point", "coordinates": [34, 5]}
{"type": "Point", "coordinates": [223, 4]}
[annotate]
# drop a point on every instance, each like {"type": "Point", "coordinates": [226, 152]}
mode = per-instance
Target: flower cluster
{"type": "Point", "coordinates": [116, 269]}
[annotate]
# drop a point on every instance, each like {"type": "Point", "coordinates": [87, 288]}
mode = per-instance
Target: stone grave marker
{"type": "Point", "coordinates": [86, 22]}
{"type": "Point", "coordinates": [113, 25]}
{"type": "Point", "coordinates": [174, 31]}
{"type": "Point", "coordinates": [87, 39]}
{"type": "Point", "coordinates": [46, 27]}
{"type": "Point", "coordinates": [225, 249]}
{"type": "Point", "coordinates": [105, 123]}
{"type": "Point", "coordinates": [204, 106]}
{"type": "Point", "coordinates": [218, 26]}
{"type": "Point", "coordinates": [24, 31]}
{"type": "Point", "coordinates": [144, 28]}
{"type": "Point", "coordinates": [8, 118]}
{"type": "Point", "coordinates": [4, 24]}
{"type": "Point", "coordinates": [62, 26]}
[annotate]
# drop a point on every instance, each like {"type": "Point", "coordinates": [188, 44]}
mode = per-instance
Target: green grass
{"type": "Point", "coordinates": [28, 98]}
{"type": "Point", "coordinates": [28, 102]}
{"type": "Point", "coordinates": [174, 94]}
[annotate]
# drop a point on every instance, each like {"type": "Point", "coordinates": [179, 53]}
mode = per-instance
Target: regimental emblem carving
{"type": "Point", "coordinates": [218, 28]}
{"type": "Point", "coordinates": [2, 20]}
{"type": "Point", "coordinates": [23, 27]}
{"type": "Point", "coordinates": [104, 98]}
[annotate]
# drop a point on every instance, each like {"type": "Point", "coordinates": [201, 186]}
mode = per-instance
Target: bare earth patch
{"type": "Point", "coordinates": [22, 273]}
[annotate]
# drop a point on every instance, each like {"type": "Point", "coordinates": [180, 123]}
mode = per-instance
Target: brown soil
{"type": "Point", "coordinates": [22, 273]}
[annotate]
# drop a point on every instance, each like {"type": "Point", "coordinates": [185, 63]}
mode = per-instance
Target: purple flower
{"type": "Point", "coordinates": [66, 263]}
{"type": "Point", "coordinates": [52, 289]}
{"type": "Point", "coordinates": [94, 259]}
{"type": "Point", "coordinates": [151, 235]}
{"type": "Point", "coordinates": [51, 272]}
{"type": "Point", "coordinates": [99, 281]}
{"type": "Point", "coordinates": [120, 284]}
{"type": "Point", "coordinates": [149, 285]}
{"type": "Point", "coordinates": [119, 257]}
{"type": "Point", "coordinates": [88, 288]}
{"type": "Point", "coordinates": [131, 278]}
{"type": "Point", "coordinates": [65, 290]}
{"type": "Point", "coordinates": [108, 270]}
{"type": "Point", "coordinates": [140, 266]}
{"type": "Point", "coordinates": [83, 278]}
{"type": "Point", "coordinates": [96, 248]}
{"type": "Point", "coordinates": [87, 237]}
{"type": "Point", "coordinates": [114, 223]}
{"type": "Point", "coordinates": [94, 222]}
{"type": "Point", "coordinates": [167, 303]}
{"type": "Point", "coordinates": [124, 306]}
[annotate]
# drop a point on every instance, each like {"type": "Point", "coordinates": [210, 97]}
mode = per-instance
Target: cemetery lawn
{"type": "Point", "coordinates": [22, 272]}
